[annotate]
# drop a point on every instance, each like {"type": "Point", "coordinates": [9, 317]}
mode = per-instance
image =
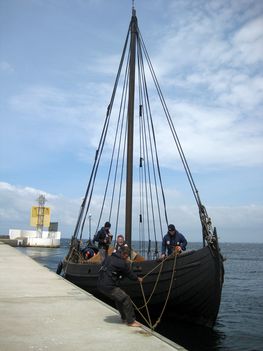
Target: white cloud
{"type": "Point", "coordinates": [16, 203]}
{"type": "Point", "coordinates": [232, 222]}
{"type": "Point", "coordinates": [208, 59]}
{"type": "Point", "coordinates": [56, 120]}
{"type": "Point", "coordinates": [212, 136]}
{"type": "Point", "coordinates": [248, 41]}
{"type": "Point", "coordinates": [216, 101]}
{"type": "Point", "coordinates": [6, 67]}
{"type": "Point", "coordinates": [217, 98]}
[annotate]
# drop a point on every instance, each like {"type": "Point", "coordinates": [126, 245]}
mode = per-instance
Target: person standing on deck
{"type": "Point", "coordinates": [104, 239]}
{"type": "Point", "coordinates": [173, 240]}
{"type": "Point", "coordinates": [113, 269]}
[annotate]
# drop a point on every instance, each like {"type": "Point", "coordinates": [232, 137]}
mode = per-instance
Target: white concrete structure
{"type": "Point", "coordinates": [35, 238]}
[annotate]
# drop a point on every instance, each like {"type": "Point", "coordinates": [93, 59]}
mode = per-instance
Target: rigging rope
{"type": "Point", "coordinates": [149, 169]}
{"type": "Point", "coordinates": [121, 109]}
{"type": "Point", "coordinates": [170, 122]}
{"type": "Point", "coordinates": [205, 220]}
{"type": "Point", "coordinates": [100, 148]}
{"type": "Point", "coordinates": [152, 141]}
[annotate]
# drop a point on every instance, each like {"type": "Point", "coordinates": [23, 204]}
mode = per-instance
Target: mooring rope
{"type": "Point", "coordinates": [146, 302]}
{"type": "Point", "coordinates": [149, 321]}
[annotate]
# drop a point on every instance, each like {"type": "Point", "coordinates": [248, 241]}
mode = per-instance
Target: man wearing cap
{"type": "Point", "coordinates": [104, 238]}
{"type": "Point", "coordinates": [113, 269]}
{"type": "Point", "coordinates": [173, 240]}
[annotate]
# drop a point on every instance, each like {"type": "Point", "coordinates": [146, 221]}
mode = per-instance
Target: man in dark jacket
{"type": "Point", "coordinates": [104, 238]}
{"type": "Point", "coordinates": [113, 269]}
{"type": "Point", "coordinates": [173, 240]}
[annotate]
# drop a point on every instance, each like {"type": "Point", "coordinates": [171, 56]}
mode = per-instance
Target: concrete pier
{"type": "Point", "coordinates": [40, 310]}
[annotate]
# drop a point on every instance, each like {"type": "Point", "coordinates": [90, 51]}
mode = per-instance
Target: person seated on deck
{"type": "Point", "coordinates": [134, 256]}
{"type": "Point", "coordinates": [87, 253]}
{"type": "Point", "coordinates": [120, 242]}
{"type": "Point", "coordinates": [173, 240]}
{"type": "Point", "coordinates": [104, 239]}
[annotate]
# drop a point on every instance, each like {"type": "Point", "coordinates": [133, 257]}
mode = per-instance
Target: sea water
{"type": "Point", "coordinates": [239, 326]}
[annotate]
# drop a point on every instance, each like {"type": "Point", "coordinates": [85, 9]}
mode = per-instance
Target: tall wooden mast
{"type": "Point", "coordinates": [129, 173]}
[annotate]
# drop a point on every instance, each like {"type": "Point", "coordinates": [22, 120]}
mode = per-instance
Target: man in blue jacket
{"type": "Point", "coordinates": [173, 240]}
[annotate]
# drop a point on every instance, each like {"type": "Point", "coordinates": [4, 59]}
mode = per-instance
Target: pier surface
{"type": "Point", "coordinates": [40, 310]}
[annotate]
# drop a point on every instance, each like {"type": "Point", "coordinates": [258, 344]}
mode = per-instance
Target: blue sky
{"type": "Point", "coordinates": [58, 61]}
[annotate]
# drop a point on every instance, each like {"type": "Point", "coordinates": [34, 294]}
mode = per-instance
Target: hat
{"type": "Point", "coordinates": [171, 227]}
{"type": "Point", "coordinates": [107, 225]}
{"type": "Point", "coordinates": [124, 250]}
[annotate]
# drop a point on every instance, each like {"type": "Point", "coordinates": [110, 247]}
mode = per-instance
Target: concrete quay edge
{"type": "Point", "coordinates": [40, 310]}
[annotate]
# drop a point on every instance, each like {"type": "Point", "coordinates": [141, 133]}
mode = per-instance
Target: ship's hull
{"type": "Point", "coordinates": [190, 285]}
